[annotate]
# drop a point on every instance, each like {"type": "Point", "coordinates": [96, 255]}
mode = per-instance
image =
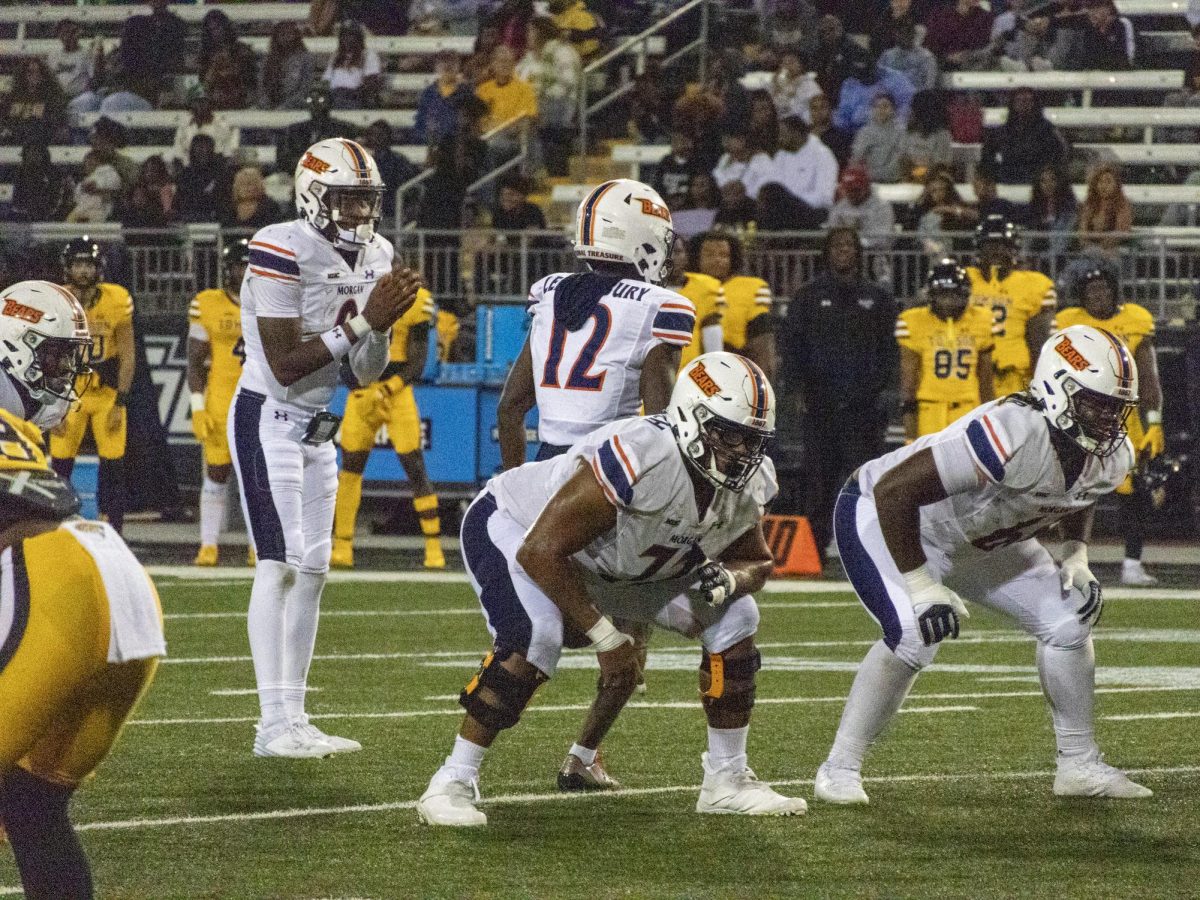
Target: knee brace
{"type": "Point", "coordinates": [496, 697]}
{"type": "Point", "coordinates": [727, 680]}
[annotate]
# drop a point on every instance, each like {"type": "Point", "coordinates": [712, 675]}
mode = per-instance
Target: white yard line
{"type": "Point", "coordinates": [1134, 717]}
{"type": "Point", "coordinates": [247, 692]}
{"type": "Point", "coordinates": [336, 613]}
{"type": "Point", "coordinates": [11, 891]}
{"type": "Point", "coordinates": [559, 797]}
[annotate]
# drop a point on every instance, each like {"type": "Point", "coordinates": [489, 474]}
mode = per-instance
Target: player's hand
{"type": "Point", "coordinates": [714, 584]}
{"type": "Point", "coordinates": [1153, 442]}
{"type": "Point", "coordinates": [201, 426]}
{"type": "Point", "coordinates": [115, 418]}
{"type": "Point", "coordinates": [392, 296]}
{"type": "Point", "coordinates": [621, 666]}
{"type": "Point", "coordinates": [938, 609]}
{"type": "Point", "coordinates": [1075, 574]}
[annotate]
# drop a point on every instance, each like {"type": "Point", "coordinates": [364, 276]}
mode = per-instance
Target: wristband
{"type": "Point", "coordinates": [1075, 552]}
{"type": "Point", "coordinates": [122, 398]}
{"type": "Point", "coordinates": [605, 636]}
{"type": "Point", "coordinates": [197, 401]}
{"type": "Point", "coordinates": [338, 340]}
{"type": "Point", "coordinates": [359, 326]}
{"type": "Point", "coordinates": [1154, 417]}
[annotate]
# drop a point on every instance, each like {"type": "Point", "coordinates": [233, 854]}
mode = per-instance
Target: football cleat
{"type": "Point", "coordinates": [1093, 777]}
{"type": "Point", "coordinates": [207, 555]}
{"type": "Point", "coordinates": [342, 556]}
{"type": "Point", "coordinates": [450, 802]}
{"type": "Point", "coordinates": [739, 792]}
{"type": "Point", "coordinates": [287, 740]}
{"type": "Point", "coordinates": [574, 776]}
{"type": "Point", "coordinates": [1134, 574]}
{"type": "Point", "coordinates": [834, 784]}
{"type": "Point", "coordinates": [339, 744]}
{"type": "Point", "coordinates": [434, 557]}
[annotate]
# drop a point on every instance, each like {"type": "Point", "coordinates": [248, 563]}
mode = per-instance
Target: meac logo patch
{"type": "Point", "coordinates": [21, 311]}
{"type": "Point", "coordinates": [1067, 351]}
{"type": "Point", "coordinates": [314, 164]}
{"type": "Point", "coordinates": [704, 381]}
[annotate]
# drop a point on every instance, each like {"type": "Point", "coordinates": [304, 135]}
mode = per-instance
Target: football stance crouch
{"type": "Point", "coordinates": [655, 519]}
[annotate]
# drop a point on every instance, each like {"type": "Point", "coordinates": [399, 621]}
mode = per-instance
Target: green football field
{"type": "Point", "coordinates": [961, 804]}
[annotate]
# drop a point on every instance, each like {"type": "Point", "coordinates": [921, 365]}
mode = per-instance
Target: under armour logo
{"type": "Point", "coordinates": [280, 415]}
{"type": "Point", "coordinates": [369, 273]}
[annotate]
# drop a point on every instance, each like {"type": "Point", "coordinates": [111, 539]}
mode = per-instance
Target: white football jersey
{"type": "Point", "coordinates": [1004, 478]}
{"type": "Point", "coordinates": [660, 538]}
{"type": "Point", "coordinates": [295, 273]}
{"type": "Point", "coordinates": [590, 377]}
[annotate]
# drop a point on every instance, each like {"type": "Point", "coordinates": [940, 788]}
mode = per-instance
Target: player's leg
{"type": "Point", "coordinates": [66, 439]}
{"type": "Point", "coordinates": [404, 427]}
{"type": "Point", "coordinates": [1023, 583]}
{"type": "Point", "coordinates": [359, 425]}
{"type": "Point", "coordinates": [110, 426]}
{"type": "Point", "coordinates": [214, 491]}
{"type": "Point", "coordinates": [527, 634]}
{"type": "Point", "coordinates": [1134, 508]}
{"type": "Point", "coordinates": [890, 666]}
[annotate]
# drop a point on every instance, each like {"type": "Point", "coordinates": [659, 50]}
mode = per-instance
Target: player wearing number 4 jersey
{"type": "Point", "coordinates": [959, 513]}
{"type": "Point", "coordinates": [655, 519]}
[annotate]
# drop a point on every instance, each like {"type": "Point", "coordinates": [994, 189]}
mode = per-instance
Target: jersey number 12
{"type": "Point", "coordinates": [581, 377]}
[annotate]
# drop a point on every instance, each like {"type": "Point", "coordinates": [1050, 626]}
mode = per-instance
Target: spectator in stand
{"type": "Point", "coordinates": [1106, 211]}
{"type": "Point", "coordinates": [224, 82]}
{"type": "Point", "coordinates": [887, 27]}
{"type": "Point", "coordinates": [553, 67]}
{"type": "Point", "coordinates": [477, 67]}
{"type": "Point", "coordinates": [741, 162]}
{"type": "Point", "coordinates": [878, 144]}
{"type": "Point", "coordinates": [202, 121]}
{"type": "Point", "coordinates": [354, 73]}
{"type": "Point", "coordinates": [649, 107]}
{"type": "Point", "coordinates": [676, 169]}
{"type": "Point", "coordinates": [107, 138]}
{"type": "Point", "coordinates": [150, 202]}
{"type": "Point", "coordinates": [36, 110]}
{"type": "Point", "coordinates": [394, 168]}
{"type": "Point", "coordinates": [822, 127]}
{"type": "Point", "coordinates": [218, 37]}
{"type": "Point", "coordinates": [1025, 143]}
{"type": "Point", "coordinates": [807, 170]}
{"type": "Point", "coordinates": [762, 128]}
{"type": "Point", "coordinates": [988, 201]}
{"type": "Point", "coordinates": [41, 192]}
{"type": "Point", "coordinates": [79, 69]}
{"type": "Point", "coordinates": [956, 30]}
{"type": "Point", "coordinates": [152, 45]}
{"type": "Point", "coordinates": [510, 22]}
{"type": "Point", "coordinates": [457, 161]}
{"type": "Point", "coordinates": [735, 210]}
{"type": "Point", "coordinates": [292, 141]}
{"type": "Point", "coordinates": [248, 208]}
{"type": "Point", "coordinates": [698, 211]}
{"type": "Point", "coordinates": [836, 57]}
{"type": "Point", "coordinates": [287, 71]}
{"type": "Point", "coordinates": [911, 60]}
{"type": "Point", "coordinates": [202, 183]}
{"type": "Point", "coordinates": [513, 211]}
{"type": "Point", "coordinates": [439, 104]}
{"type": "Point", "coordinates": [859, 91]}
{"type": "Point", "coordinates": [581, 27]}
{"type": "Point", "coordinates": [384, 17]}
{"type": "Point", "coordinates": [1053, 208]}
{"type": "Point", "coordinates": [793, 85]}
{"type": "Point", "coordinates": [861, 208]}
{"type": "Point", "coordinates": [1100, 39]}
{"type": "Point", "coordinates": [510, 102]}
{"type": "Point", "coordinates": [927, 141]}
{"type": "Point", "coordinates": [791, 23]}
{"type": "Point", "coordinates": [1023, 43]}
{"type": "Point", "coordinates": [938, 210]}
{"type": "Point", "coordinates": [96, 194]}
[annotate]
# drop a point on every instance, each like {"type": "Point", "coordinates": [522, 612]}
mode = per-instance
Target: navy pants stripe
{"type": "Point", "coordinates": [489, 568]}
{"type": "Point", "coordinates": [264, 523]}
{"type": "Point", "coordinates": [549, 451]}
{"type": "Point", "coordinates": [859, 566]}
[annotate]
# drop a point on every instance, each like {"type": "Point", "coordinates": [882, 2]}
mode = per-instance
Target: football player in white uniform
{"type": "Point", "coordinates": [44, 343]}
{"type": "Point", "coordinates": [318, 291]}
{"type": "Point", "coordinates": [655, 519]}
{"type": "Point", "coordinates": [603, 345]}
{"type": "Point", "coordinates": [956, 515]}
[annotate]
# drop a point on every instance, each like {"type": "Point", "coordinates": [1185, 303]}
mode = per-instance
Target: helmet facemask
{"type": "Point", "coordinates": [55, 367]}
{"type": "Point", "coordinates": [348, 214]}
{"type": "Point", "coordinates": [1097, 422]}
{"type": "Point", "coordinates": [726, 453]}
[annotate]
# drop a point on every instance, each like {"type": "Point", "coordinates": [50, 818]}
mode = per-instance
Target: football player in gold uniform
{"type": "Point", "coordinates": [747, 322]}
{"type": "Point", "coordinates": [80, 638]}
{"type": "Point", "coordinates": [1021, 300]}
{"type": "Point", "coordinates": [389, 401]}
{"type": "Point", "coordinates": [105, 391]}
{"type": "Point", "coordinates": [707, 295]}
{"type": "Point", "coordinates": [215, 353]}
{"type": "Point", "coordinates": [1102, 308]}
{"type": "Point", "coordinates": [945, 353]}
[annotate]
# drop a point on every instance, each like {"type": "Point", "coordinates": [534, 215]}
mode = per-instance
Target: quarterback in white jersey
{"type": "Point", "coordinates": [957, 514]}
{"type": "Point", "coordinates": [317, 291]}
{"type": "Point", "coordinates": [653, 519]}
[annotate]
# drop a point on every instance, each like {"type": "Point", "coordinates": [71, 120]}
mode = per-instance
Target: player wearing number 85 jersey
{"type": "Point", "coordinates": [959, 513]}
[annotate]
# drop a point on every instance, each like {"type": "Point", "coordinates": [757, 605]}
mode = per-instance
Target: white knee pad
{"type": "Point", "coordinates": [912, 650]}
{"type": "Point", "coordinates": [1066, 633]}
{"type": "Point", "coordinates": [316, 557]}
{"type": "Point", "coordinates": [739, 622]}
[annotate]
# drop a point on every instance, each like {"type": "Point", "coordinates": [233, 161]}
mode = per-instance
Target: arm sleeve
{"type": "Point", "coordinates": [674, 323]}
{"type": "Point", "coordinates": [992, 448]}
{"type": "Point", "coordinates": [904, 335]}
{"type": "Point", "coordinates": [369, 357]}
{"type": "Point", "coordinates": [273, 298]}
{"type": "Point", "coordinates": [196, 329]}
{"type": "Point", "coordinates": [625, 466]}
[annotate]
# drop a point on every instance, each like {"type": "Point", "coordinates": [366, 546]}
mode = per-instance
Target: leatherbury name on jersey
{"type": "Point", "coordinates": [591, 376]}
{"type": "Point", "coordinates": [1004, 477]}
{"type": "Point", "coordinates": [660, 539]}
{"type": "Point", "coordinates": [296, 273]}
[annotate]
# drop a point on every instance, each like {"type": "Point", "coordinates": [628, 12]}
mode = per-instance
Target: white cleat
{"type": "Point", "coordinates": [837, 785]}
{"type": "Point", "coordinates": [1093, 777]}
{"type": "Point", "coordinates": [450, 802]}
{"type": "Point", "coordinates": [339, 744]}
{"type": "Point", "coordinates": [288, 740]}
{"type": "Point", "coordinates": [741, 793]}
{"type": "Point", "coordinates": [1134, 574]}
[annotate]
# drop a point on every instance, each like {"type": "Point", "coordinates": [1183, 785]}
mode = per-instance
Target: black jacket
{"type": "Point", "coordinates": [837, 345]}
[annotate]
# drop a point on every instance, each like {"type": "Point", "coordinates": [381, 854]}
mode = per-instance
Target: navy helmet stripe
{"type": "Point", "coordinates": [589, 207]}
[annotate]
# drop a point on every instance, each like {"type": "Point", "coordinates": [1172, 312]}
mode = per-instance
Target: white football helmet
{"type": "Point", "coordinates": [44, 345]}
{"type": "Point", "coordinates": [723, 413]}
{"type": "Point", "coordinates": [626, 221]}
{"type": "Point", "coordinates": [1087, 382]}
{"type": "Point", "coordinates": [339, 191]}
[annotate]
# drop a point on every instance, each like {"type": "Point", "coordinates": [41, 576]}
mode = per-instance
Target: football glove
{"type": "Point", "coordinates": [715, 584]}
{"type": "Point", "coordinates": [1153, 442]}
{"type": "Point", "coordinates": [938, 609]}
{"type": "Point", "coordinates": [1074, 573]}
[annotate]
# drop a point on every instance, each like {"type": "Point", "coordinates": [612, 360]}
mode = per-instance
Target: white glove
{"type": "Point", "coordinates": [1074, 573]}
{"type": "Point", "coordinates": [715, 583]}
{"type": "Point", "coordinates": [938, 608]}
